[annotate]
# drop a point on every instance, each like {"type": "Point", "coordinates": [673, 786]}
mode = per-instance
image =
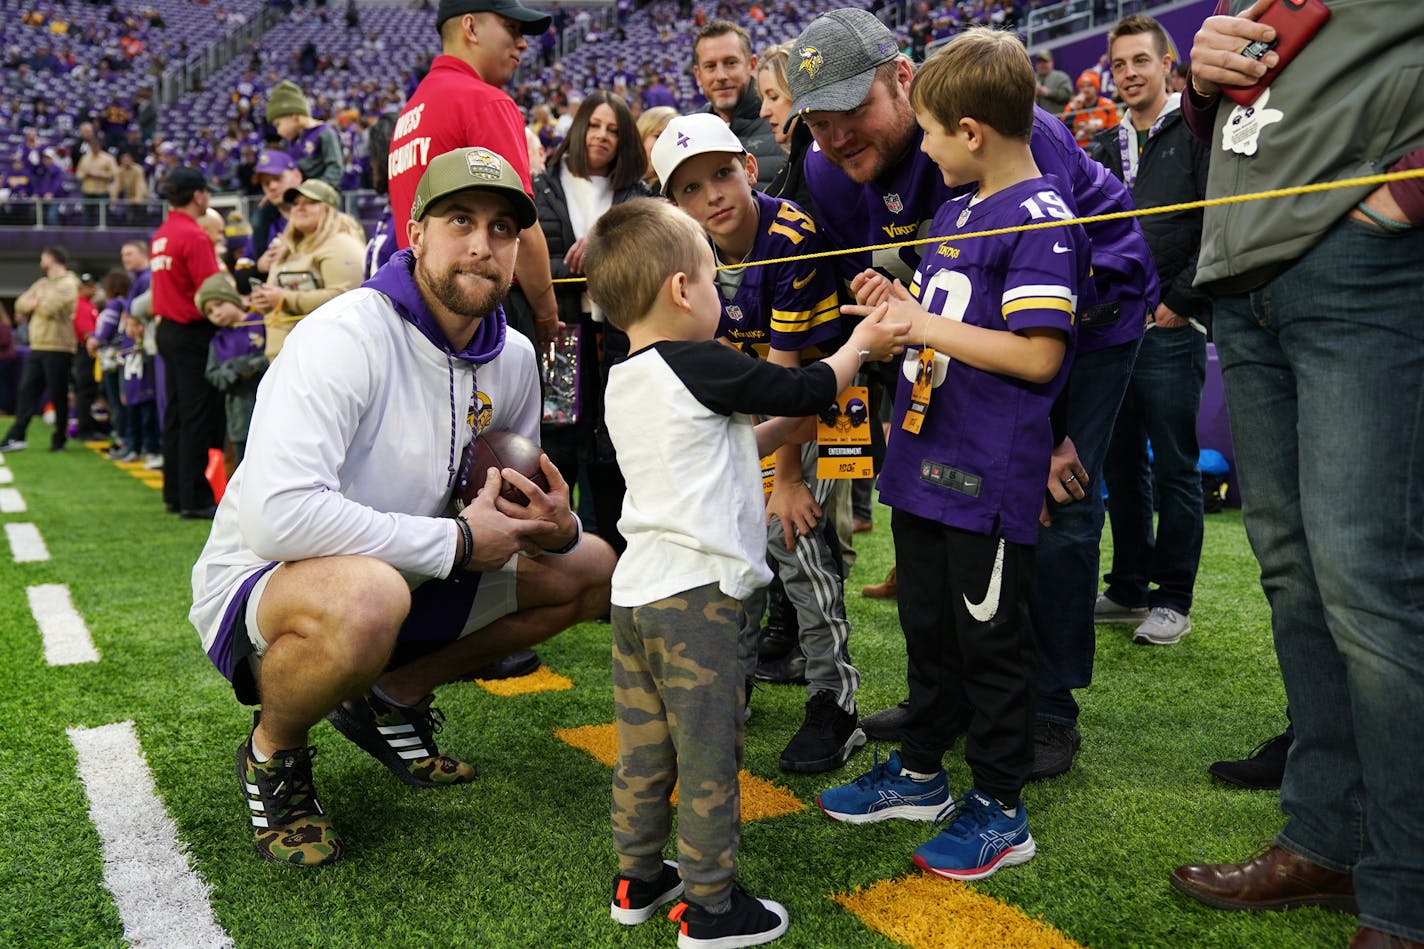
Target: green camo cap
{"type": "Point", "coordinates": [466, 168]}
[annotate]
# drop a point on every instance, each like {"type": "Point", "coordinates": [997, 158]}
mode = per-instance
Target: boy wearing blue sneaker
{"type": "Point", "coordinates": [964, 471]}
{"type": "Point", "coordinates": [678, 411]}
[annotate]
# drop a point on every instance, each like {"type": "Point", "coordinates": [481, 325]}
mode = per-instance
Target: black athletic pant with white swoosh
{"type": "Point", "coordinates": [964, 611]}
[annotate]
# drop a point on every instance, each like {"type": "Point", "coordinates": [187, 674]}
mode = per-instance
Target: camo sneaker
{"type": "Point", "coordinates": [635, 901]}
{"type": "Point", "coordinates": [401, 737]}
{"type": "Point", "coordinates": [287, 820]}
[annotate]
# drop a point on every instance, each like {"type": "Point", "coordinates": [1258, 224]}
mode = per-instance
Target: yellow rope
{"type": "Point", "coordinates": [1376, 180]}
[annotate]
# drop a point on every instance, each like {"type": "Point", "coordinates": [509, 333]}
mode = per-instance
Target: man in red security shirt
{"type": "Point", "coordinates": [181, 257]}
{"type": "Point", "coordinates": [459, 103]}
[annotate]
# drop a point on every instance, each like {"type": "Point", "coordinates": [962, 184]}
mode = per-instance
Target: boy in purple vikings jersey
{"type": "Point", "coordinates": [313, 144]}
{"type": "Point", "coordinates": [782, 313]}
{"type": "Point", "coordinates": [965, 468]}
{"type": "Point", "coordinates": [237, 355]}
{"type": "Point", "coordinates": [869, 180]}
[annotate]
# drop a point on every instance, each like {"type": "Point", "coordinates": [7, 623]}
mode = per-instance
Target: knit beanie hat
{"type": "Point", "coordinates": [286, 99]}
{"type": "Point", "coordinates": [216, 287]}
{"type": "Point", "coordinates": [1091, 76]}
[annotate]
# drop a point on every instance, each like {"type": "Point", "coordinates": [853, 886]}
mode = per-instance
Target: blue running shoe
{"type": "Point", "coordinates": [978, 841]}
{"type": "Point", "coordinates": [883, 792]}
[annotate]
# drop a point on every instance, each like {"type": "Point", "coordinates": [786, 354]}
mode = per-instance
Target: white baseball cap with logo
{"type": "Point", "coordinates": [688, 136]}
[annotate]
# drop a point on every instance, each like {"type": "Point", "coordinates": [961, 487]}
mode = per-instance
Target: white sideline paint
{"type": "Point", "coordinates": [11, 502]}
{"type": "Point", "coordinates": [26, 543]}
{"type": "Point", "coordinates": [7, 476]}
{"type": "Point", "coordinates": [161, 899]}
{"type": "Point", "coordinates": [66, 638]}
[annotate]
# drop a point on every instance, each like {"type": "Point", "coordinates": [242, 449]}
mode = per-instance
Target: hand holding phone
{"type": "Point", "coordinates": [1240, 56]}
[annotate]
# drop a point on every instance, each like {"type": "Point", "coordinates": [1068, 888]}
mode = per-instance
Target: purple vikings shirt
{"type": "Point", "coordinates": [980, 460]}
{"type": "Point", "coordinates": [900, 207]}
{"type": "Point", "coordinates": [382, 243]}
{"type": "Point", "coordinates": [232, 341]}
{"type": "Point", "coordinates": [791, 306]}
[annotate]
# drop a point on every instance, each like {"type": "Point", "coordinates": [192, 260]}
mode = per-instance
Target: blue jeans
{"type": "Point", "coordinates": [1324, 374]}
{"type": "Point", "coordinates": [1161, 405]}
{"type": "Point", "coordinates": [1065, 584]}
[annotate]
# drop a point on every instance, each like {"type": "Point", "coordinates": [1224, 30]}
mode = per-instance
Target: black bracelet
{"type": "Point", "coordinates": [463, 561]}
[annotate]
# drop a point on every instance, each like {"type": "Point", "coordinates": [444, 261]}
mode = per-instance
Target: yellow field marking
{"type": "Point", "coordinates": [540, 680]}
{"type": "Point", "coordinates": [924, 911]}
{"type": "Point", "coordinates": [150, 477]}
{"type": "Point", "coordinates": [760, 798]}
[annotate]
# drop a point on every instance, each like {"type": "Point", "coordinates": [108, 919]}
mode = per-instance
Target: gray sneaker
{"type": "Point", "coordinates": [1163, 628]}
{"type": "Point", "coordinates": [1108, 610]}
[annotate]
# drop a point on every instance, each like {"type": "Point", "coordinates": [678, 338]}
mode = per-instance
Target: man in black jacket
{"type": "Point", "coordinates": [723, 62]}
{"type": "Point", "coordinates": [1156, 157]}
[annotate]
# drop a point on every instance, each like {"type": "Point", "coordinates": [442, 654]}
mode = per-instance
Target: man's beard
{"type": "Point", "coordinates": [468, 302]}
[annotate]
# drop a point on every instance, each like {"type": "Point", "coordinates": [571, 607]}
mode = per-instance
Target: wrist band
{"type": "Point", "coordinates": [1192, 81]}
{"type": "Point", "coordinates": [1388, 223]}
{"type": "Point", "coordinates": [578, 536]}
{"type": "Point", "coordinates": [463, 560]}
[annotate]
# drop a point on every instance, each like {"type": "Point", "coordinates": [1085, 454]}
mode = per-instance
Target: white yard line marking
{"type": "Point", "coordinates": [161, 899]}
{"type": "Point", "coordinates": [26, 543]}
{"type": "Point", "coordinates": [7, 476]}
{"type": "Point", "coordinates": [11, 502]}
{"type": "Point", "coordinates": [66, 638]}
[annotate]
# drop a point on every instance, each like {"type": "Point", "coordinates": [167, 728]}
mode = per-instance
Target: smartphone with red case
{"type": "Point", "coordinates": [1295, 22]}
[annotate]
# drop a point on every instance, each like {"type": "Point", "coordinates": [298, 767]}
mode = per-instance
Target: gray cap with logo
{"type": "Point", "coordinates": [833, 61]}
{"type": "Point", "coordinates": [466, 168]}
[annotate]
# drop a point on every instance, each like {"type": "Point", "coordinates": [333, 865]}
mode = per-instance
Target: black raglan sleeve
{"type": "Point", "coordinates": [726, 381]}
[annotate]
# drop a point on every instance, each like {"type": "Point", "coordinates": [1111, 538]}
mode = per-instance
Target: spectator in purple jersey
{"type": "Point", "coordinates": [872, 184]}
{"type": "Point", "coordinates": [313, 145]}
{"type": "Point", "coordinates": [383, 241]}
{"type": "Point", "coordinates": [659, 94]}
{"type": "Point", "coordinates": [964, 472]}
{"type": "Point", "coordinates": [237, 355]}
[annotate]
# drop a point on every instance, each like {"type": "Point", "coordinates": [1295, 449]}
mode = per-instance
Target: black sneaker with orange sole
{"type": "Point", "coordinates": [635, 901]}
{"type": "Point", "coordinates": [747, 922]}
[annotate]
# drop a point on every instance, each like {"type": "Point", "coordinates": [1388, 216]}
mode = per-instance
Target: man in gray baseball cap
{"type": "Point", "coordinates": [831, 61]}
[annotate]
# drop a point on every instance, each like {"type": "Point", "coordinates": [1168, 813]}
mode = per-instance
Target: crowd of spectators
{"type": "Point", "coordinates": [353, 62]}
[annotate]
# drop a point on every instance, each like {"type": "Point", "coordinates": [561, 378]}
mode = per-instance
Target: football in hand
{"type": "Point", "coordinates": [500, 450]}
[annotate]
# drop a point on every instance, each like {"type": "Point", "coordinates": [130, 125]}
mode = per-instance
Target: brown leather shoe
{"type": "Point", "coordinates": [1273, 879]}
{"type": "Point", "coordinates": [882, 591]}
{"type": "Point", "coordinates": [1367, 938]}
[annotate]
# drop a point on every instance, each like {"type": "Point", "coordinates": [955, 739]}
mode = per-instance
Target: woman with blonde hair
{"type": "Point", "coordinates": [775, 91]}
{"type": "Point", "coordinates": [320, 255]}
{"type": "Point", "coordinates": [651, 123]}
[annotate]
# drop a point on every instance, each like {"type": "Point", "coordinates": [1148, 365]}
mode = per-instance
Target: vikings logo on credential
{"type": "Point", "coordinates": [810, 61]}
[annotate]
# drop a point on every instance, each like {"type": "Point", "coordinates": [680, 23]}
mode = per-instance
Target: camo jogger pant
{"type": "Point", "coordinates": [678, 690]}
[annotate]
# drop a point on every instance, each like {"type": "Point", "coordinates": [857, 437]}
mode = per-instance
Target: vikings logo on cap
{"type": "Point", "coordinates": [811, 61]}
{"type": "Point", "coordinates": [484, 164]}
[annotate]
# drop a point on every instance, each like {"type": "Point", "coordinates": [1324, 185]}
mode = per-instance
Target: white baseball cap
{"type": "Point", "coordinates": [687, 136]}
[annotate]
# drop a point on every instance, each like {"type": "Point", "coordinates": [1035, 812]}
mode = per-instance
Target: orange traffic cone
{"type": "Point", "coordinates": [216, 473]}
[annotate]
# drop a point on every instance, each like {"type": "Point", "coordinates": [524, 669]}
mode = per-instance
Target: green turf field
{"type": "Point", "coordinates": [522, 857]}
